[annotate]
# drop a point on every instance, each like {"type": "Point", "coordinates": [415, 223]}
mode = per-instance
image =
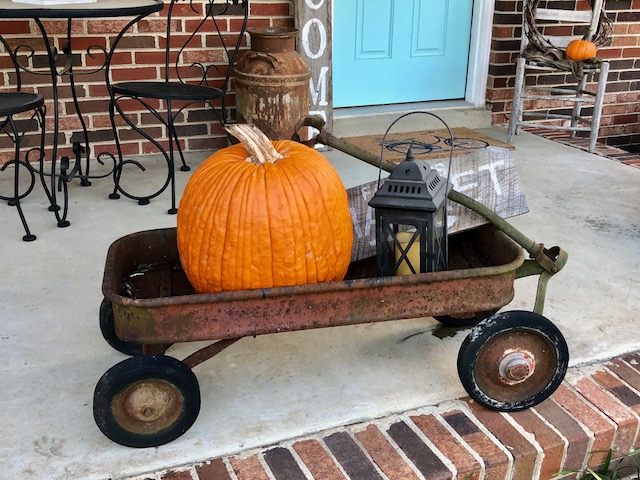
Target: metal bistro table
{"type": "Point", "coordinates": [61, 64]}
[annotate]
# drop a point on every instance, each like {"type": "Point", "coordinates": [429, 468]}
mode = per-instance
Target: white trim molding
{"type": "Point", "coordinates": [479, 51]}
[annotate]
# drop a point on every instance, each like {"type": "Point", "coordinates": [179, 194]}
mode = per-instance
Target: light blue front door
{"type": "Point", "coordinates": [398, 51]}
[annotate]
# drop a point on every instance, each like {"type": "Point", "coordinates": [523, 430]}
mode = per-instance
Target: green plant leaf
{"type": "Point", "coordinates": [611, 469]}
{"type": "Point", "coordinates": [565, 472]}
{"type": "Point", "coordinates": [607, 461]}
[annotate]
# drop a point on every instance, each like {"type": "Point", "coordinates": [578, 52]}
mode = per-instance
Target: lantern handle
{"type": "Point", "coordinates": [384, 139]}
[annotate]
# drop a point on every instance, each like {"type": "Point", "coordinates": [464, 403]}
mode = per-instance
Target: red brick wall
{"type": "Point", "coordinates": [142, 49]}
{"type": "Point", "coordinates": [621, 122]}
{"type": "Point", "coordinates": [620, 125]}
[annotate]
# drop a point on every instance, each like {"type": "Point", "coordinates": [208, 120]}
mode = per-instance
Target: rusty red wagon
{"type": "Point", "coordinates": [509, 361]}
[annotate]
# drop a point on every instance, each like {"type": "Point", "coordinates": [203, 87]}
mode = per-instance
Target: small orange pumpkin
{"type": "Point", "coordinates": [262, 214]}
{"type": "Point", "coordinates": [579, 50]}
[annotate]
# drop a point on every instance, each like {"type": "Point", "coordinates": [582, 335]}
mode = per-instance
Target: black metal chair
{"type": "Point", "coordinates": [12, 104]}
{"type": "Point", "coordinates": [22, 112]}
{"type": "Point", "coordinates": [186, 82]}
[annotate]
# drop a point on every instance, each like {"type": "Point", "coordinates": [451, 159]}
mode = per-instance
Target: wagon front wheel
{"type": "Point", "coordinates": [146, 401]}
{"type": "Point", "coordinates": [513, 360]}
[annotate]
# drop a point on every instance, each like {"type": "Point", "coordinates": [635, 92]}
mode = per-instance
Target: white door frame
{"type": "Point", "coordinates": [480, 49]}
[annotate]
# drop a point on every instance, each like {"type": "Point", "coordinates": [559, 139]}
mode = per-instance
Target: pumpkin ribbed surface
{"type": "Point", "coordinates": [243, 225]}
{"type": "Point", "coordinates": [579, 50]}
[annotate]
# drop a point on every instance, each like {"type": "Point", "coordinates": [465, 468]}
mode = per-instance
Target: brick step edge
{"type": "Point", "coordinates": [596, 409]}
{"type": "Point", "coordinates": [582, 143]}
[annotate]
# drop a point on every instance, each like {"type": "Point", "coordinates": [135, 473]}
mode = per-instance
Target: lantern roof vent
{"type": "Point", "coordinates": [413, 185]}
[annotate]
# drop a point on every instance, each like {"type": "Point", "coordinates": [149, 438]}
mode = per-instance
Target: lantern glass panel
{"type": "Point", "coordinates": [407, 248]}
{"type": "Point", "coordinates": [440, 239]}
{"type": "Point", "coordinates": [401, 244]}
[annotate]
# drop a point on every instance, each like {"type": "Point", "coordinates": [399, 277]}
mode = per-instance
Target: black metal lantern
{"type": "Point", "coordinates": [411, 220]}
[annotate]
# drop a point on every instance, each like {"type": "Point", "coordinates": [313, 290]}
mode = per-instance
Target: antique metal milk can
{"type": "Point", "coordinates": [272, 83]}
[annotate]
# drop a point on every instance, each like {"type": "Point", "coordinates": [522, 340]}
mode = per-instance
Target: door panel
{"type": "Point", "coordinates": [396, 51]}
{"type": "Point", "coordinates": [374, 29]}
{"type": "Point", "coordinates": [428, 30]}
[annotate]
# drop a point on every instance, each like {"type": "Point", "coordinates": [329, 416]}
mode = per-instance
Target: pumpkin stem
{"type": "Point", "coordinates": [260, 148]}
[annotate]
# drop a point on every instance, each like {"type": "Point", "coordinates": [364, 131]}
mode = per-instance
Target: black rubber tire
{"type": "Point", "coordinates": [108, 329]}
{"type": "Point", "coordinates": [468, 321]}
{"type": "Point", "coordinates": [479, 369]}
{"type": "Point", "coordinates": [160, 389]}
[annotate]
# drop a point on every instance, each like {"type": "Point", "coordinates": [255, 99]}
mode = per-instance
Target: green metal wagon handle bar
{"type": "Point", "coordinates": [546, 262]}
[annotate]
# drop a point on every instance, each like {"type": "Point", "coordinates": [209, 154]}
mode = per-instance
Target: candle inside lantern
{"type": "Point", "coordinates": [413, 254]}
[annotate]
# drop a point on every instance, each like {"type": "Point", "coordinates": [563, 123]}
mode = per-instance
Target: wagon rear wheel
{"type": "Point", "coordinates": [108, 330]}
{"type": "Point", "coordinates": [146, 401]}
{"type": "Point", "coordinates": [512, 361]}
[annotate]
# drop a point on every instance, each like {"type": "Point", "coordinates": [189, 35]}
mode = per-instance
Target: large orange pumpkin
{"type": "Point", "coordinates": [262, 214]}
{"type": "Point", "coordinates": [579, 50]}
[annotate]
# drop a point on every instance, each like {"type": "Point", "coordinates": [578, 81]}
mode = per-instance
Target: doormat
{"type": "Point", "coordinates": [426, 144]}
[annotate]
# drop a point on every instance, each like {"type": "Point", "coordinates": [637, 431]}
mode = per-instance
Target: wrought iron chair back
{"type": "Point", "coordinates": [200, 52]}
{"type": "Point", "coordinates": [215, 12]}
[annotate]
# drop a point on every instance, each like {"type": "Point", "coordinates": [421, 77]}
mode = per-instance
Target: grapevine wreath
{"type": "Point", "coordinates": [541, 48]}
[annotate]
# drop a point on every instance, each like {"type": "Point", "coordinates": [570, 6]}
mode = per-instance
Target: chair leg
{"type": "Point", "coordinates": [122, 162]}
{"type": "Point", "coordinates": [184, 167]}
{"type": "Point", "coordinates": [50, 192]}
{"type": "Point", "coordinates": [15, 200]}
{"type": "Point", "coordinates": [597, 106]}
{"type": "Point", "coordinates": [28, 237]}
{"type": "Point", "coordinates": [577, 106]}
{"type": "Point", "coordinates": [517, 104]}
{"type": "Point", "coordinates": [117, 170]}
{"type": "Point", "coordinates": [172, 135]}
{"type": "Point", "coordinates": [58, 182]}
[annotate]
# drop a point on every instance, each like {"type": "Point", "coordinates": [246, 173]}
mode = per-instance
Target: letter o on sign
{"type": "Point", "coordinates": [305, 38]}
{"type": "Point", "coordinates": [313, 6]}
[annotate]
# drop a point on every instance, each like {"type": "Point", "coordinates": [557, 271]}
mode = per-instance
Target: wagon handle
{"type": "Point", "coordinates": [324, 137]}
{"type": "Point", "coordinates": [561, 260]}
{"type": "Point", "coordinates": [536, 250]}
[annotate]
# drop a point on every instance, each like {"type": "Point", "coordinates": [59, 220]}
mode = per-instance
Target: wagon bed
{"type": "Point", "coordinates": [154, 303]}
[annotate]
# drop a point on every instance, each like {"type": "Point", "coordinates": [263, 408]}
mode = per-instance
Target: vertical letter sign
{"type": "Point", "coordinates": [313, 20]}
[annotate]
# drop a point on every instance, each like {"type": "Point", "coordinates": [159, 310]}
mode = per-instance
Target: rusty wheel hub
{"type": "Point", "coordinates": [147, 406]}
{"type": "Point", "coordinates": [516, 367]}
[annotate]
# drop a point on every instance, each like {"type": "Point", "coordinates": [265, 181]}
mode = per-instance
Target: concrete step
{"type": "Point", "coordinates": [353, 122]}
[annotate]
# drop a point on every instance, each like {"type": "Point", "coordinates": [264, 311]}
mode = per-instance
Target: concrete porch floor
{"type": "Point", "coordinates": [272, 389]}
